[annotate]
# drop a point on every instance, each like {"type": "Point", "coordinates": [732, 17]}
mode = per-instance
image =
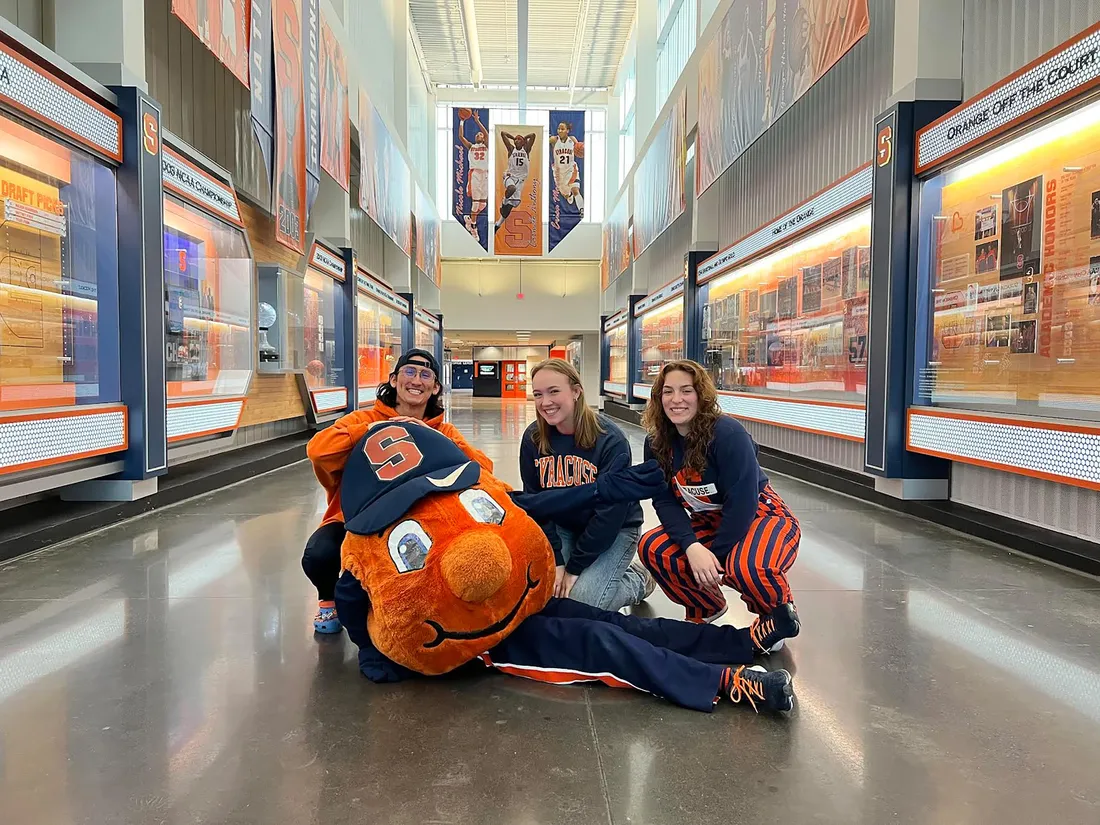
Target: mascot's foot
{"type": "Point", "coordinates": [760, 689]}
{"type": "Point", "coordinates": [326, 620]}
{"type": "Point", "coordinates": [769, 633]}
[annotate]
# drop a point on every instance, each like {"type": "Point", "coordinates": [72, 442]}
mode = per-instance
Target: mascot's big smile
{"type": "Point", "coordinates": [443, 635]}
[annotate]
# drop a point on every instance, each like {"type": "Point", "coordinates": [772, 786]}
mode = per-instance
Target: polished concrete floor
{"type": "Point", "coordinates": [166, 671]}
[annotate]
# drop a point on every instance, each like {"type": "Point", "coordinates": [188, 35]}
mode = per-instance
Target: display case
{"type": "Point", "coordinates": [1007, 372]}
{"type": "Point", "coordinates": [615, 354]}
{"type": "Point", "coordinates": [323, 378]}
{"type": "Point", "coordinates": [382, 316]}
{"type": "Point", "coordinates": [209, 297]}
{"type": "Point", "coordinates": [60, 363]}
{"type": "Point", "coordinates": [659, 329]}
{"type": "Point", "coordinates": [574, 354]}
{"type": "Point", "coordinates": [429, 333]}
{"type": "Point", "coordinates": [793, 323]}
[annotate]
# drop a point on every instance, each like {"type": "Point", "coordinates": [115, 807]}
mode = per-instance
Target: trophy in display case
{"type": "Point", "coordinates": [266, 319]}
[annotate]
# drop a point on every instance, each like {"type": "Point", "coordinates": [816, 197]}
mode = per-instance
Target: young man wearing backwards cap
{"type": "Point", "coordinates": [412, 392]}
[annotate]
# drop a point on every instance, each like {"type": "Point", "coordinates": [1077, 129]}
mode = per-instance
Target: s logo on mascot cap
{"type": "Point", "coordinates": [392, 452]}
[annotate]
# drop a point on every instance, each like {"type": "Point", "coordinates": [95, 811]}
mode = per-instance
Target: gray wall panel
{"type": "Point", "coordinates": [822, 137]}
{"type": "Point", "coordinates": [1074, 511]}
{"type": "Point", "coordinates": [835, 452]}
{"type": "Point", "coordinates": [26, 14]}
{"type": "Point", "coordinates": [1000, 36]}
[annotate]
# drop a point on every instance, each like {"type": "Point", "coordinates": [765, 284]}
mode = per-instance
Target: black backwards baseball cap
{"type": "Point", "coordinates": [423, 355]}
{"type": "Point", "coordinates": [395, 465]}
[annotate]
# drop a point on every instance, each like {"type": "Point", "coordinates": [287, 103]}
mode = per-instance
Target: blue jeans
{"type": "Point", "coordinates": [609, 582]}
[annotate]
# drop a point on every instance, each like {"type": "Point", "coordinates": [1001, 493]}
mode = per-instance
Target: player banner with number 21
{"type": "Point", "coordinates": [566, 181]}
{"type": "Point", "coordinates": [518, 226]}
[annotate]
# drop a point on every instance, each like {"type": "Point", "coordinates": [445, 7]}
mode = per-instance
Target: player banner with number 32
{"type": "Point", "coordinates": [470, 172]}
{"type": "Point", "coordinates": [518, 226]}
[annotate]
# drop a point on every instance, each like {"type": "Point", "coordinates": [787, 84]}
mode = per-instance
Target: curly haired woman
{"type": "Point", "coordinates": [721, 521]}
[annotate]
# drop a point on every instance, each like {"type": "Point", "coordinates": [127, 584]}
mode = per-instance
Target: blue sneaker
{"type": "Point", "coordinates": [326, 620]}
{"type": "Point", "coordinates": [770, 633]}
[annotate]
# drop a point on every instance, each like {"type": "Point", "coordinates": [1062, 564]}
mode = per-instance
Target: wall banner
{"type": "Point", "coordinates": [290, 150]}
{"type": "Point", "coordinates": [566, 158]}
{"type": "Point", "coordinates": [429, 240]}
{"type": "Point", "coordinates": [470, 175]}
{"type": "Point", "coordinates": [263, 82]}
{"type": "Point", "coordinates": [659, 186]}
{"type": "Point", "coordinates": [335, 125]}
{"type": "Point", "coordinates": [518, 228]}
{"type": "Point", "coordinates": [763, 58]}
{"type": "Point", "coordinates": [222, 27]}
{"type": "Point", "coordinates": [385, 182]}
{"type": "Point", "coordinates": [616, 241]}
{"type": "Point", "coordinates": [311, 41]}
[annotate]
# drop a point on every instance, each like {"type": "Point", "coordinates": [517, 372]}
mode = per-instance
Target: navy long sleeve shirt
{"type": "Point", "coordinates": [567, 466]}
{"type": "Point", "coordinates": [731, 484]}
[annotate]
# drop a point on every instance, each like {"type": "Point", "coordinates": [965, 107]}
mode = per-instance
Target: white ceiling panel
{"type": "Point", "coordinates": [554, 26]}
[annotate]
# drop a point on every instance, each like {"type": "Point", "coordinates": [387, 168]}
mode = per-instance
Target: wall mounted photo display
{"type": "Point", "coordinates": [1095, 215]}
{"type": "Point", "coordinates": [1031, 297]}
{"type": "Point", "coordinates": [998, 329]}
{"type": "Point", "coordinates": [989, 293]}
{"type": "Point", "coordinates": [1021, 238]}
{"type": "Point", "coordinates": [971, 295]}
{"type": "Point", "coordinates": [1023, 337]}
{"type": "Point", "coordinates": [788, 297]}
{"type": "Point", "coordinates": [706, 322]}
{"type": "Point", "coordinates": [768, 303]}
{"type": "Point", "coordinates": [830, 279]}
{"type": "Point", "coordinates": [754, 300]}
{"type": "Point", "coordinates": [985, 257]}
{"type": "Point", "coordinates": [864, 270]}
{"type": "Point", "coordinates": [1094, 281]}
{"type": "Point", "coordinates": [985, 223]}
{"type": "Point", "coordinates": [811, 288]}
{"type": "Point", "coordinates": [849, 271]}
{"type": "Point", "coordinates": [1012, 289]}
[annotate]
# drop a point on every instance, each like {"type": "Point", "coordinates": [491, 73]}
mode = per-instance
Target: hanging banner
{"type": "Point", "coordinates": [222, 27]}
{"type": "Point", "coordinates": [290, 151]}
{"type": "Point", "coordinates": [311, 79]}
{"type": "Point", "coordinates": [263, 82]}
{"type": "Point", "coordinates": [385, 183]}
{"type": "Point", "coordinates": [616, 241]}
{"type": "Point", "coordinates": [764, 57]}
{"type": "Point", "coordinates": [659, 183]}
{"type": "Point", "coordinates": [429, 240]}
{"type": "Point", "coordinates": [566, 157]}
{"type": "Point", "coordinates": [470, 173]}
{"type": "Point", "coordinates": [335, 125]}
{"type": "Point", "coordinates": [518, 229]}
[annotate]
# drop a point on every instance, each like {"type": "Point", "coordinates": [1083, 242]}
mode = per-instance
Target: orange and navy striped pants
{"type": "Point", "coordinates": [756, 567]}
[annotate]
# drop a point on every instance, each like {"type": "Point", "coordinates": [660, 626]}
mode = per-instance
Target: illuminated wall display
{"type": "Point", "coordinates": [381, 316]}
{"type": "Point", "coordinates": [660, 322]}
{"type": "Point", "coordinates": [615, 340]}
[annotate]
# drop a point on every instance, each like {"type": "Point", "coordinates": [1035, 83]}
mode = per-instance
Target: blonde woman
{"type": "Point", "coordinates": [569, 444]}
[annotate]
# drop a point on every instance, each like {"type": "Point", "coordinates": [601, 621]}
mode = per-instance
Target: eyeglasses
{"type": "Point", "coordinates": [413, 372]}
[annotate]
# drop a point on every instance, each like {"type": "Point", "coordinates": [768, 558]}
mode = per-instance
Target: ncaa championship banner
{"type": "Point", "coordinates": [659, 183]}
{"type": "Point", "coordinates": [222, 27]}
{"type": "Point", "coordinates": [429, 238]}
{"type": "Point", "coordinates": [470, 172]}
{"type": "Point", "coordinates": [263, 82]}
{"type": "Point", "coordinates": [566, 157]}
{"type": "Point", "coordinates": [616, 241]}
{"type": "Point", "coordinates": [335, 124]}
{"type": "Point", "coordinates": [311, 45]}
{"type": "Point", "coordinates": [763, 58]}
{"type": "Point", "coordinates": [518, 228]}
{"type": "Point", "coordinates": [385, 183]}
{"type": "Point", "coordinates": [289, 188]}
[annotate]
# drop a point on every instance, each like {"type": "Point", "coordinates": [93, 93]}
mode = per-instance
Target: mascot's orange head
{"type": "Point", "coordinates": [450, 564]}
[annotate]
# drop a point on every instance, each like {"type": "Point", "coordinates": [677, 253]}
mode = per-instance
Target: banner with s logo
{"type": "Point", "coordinates": [518, 227]}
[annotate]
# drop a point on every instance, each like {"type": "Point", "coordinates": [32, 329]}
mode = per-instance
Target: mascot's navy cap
{"type": "Point", "coordinates": [395, 465]}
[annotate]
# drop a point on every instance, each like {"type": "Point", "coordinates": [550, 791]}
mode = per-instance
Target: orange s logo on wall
{"type": "Point", "coordinates": [150, 133]}
{"type": "Point", "coordinates": [392, 453]}
{"type": "Point", "coordinates": [885, 145]}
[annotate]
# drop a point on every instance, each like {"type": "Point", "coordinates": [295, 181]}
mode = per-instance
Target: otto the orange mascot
{"type": "Point", "coordinates": [444, 565]}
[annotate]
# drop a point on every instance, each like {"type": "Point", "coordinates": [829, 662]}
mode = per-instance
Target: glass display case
{"type": "Point", "coordinates": [617, 355]}
{"type": "Point", "coordinates": [661, 337]}
{"type": "Point", "coordinates": [425, 337]}
{"type": "Point", "coordinates": [323, 355]}
{"type": "Point", "coordinates": [574, 354]}
{"type": "Point", "coordinates": [209, 300]}
{"type": "Point", "coordinates": [794, 323]}
{"type": "Point", "coordinates": [381, 316]}
{"type": "Point", "coordinates": [59, 279]}
{"type": "Point", "coordinates": [1009, 275]}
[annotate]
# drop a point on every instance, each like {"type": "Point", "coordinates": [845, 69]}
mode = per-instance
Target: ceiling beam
{"type": "Point", "coordinates": [473, 45]}
{"type": "Point", "coordinates": [578, 40]}
{"type": "Point", "coordinates": [521, 54]}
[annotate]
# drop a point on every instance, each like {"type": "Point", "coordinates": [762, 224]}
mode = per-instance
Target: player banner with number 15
{"type": "Point", "coordinates": [518, 227]}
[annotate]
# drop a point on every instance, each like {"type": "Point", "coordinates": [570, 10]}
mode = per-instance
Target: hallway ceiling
{"type": "Point", "coordinates": [497, 338]}
{"type": "Point", "coordinates": [553, 26]}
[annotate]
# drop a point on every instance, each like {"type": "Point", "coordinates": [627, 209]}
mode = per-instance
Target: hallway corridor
{"type": "Point", "coordinates": [165, 671]}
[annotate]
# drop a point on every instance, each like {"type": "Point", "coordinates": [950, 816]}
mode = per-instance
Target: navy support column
{"type": "Point", "coordinates": [141, 294]}
{"type": "Point", "coordinates": [633, 349]}
{"type": "Point", "coordinates": [898, 314]}
{"type": "Point", "coordinates": [408, 326]}
{"type": "Point", "coordinates": [693, 310]}
{"type": "Point", "coordinates": [350, 319]}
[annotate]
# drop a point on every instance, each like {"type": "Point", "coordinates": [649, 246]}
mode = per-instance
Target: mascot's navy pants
{"type": "Point", "coordinates": [570, 642]}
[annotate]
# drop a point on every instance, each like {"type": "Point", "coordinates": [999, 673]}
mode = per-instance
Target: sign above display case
{"type": "Point", "coordinates": [1068, 70]}
{"type": "Point", "coordinates": [201, 188]}
{"type": "Point", "coordinates": [426, 318]}
{"type": "Point", "coordinates": [35, 91]}
{"type": "Point", "coordinates": [325, 260]}
{"type": "Point", "coordinates": [845, 194]}
{"type": "Point", "coordinates": [368, 286]}
{"type": "Point", "coordinates": [665, 293]}
{"type": "Point", "coordinates": [616, 320]}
